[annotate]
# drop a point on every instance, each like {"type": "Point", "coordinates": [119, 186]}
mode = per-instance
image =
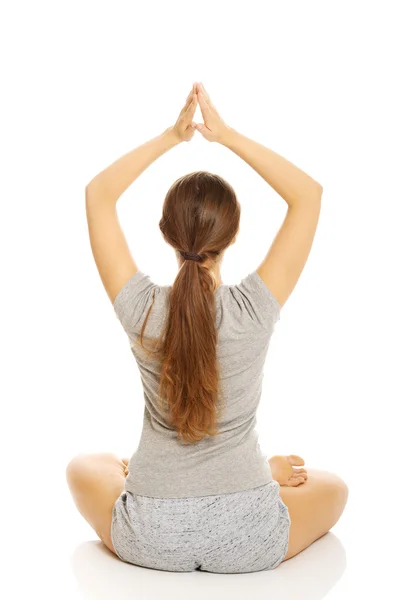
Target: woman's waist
{"type": "Point", "coordinates": [176, 475]}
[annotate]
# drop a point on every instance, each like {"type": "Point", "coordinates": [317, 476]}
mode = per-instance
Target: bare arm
{"type": "Point", "coordinates": [296, 187]}
{"type": "Point", "coordinates": [286, 258]}
{"type": "Point", "coordinates": [112, 182]}
{"type": "Point", "coordinates": [109, 246]}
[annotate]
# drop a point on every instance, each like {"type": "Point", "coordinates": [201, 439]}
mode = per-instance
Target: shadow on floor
{"type": "Point", "coordinates": [307, 576]}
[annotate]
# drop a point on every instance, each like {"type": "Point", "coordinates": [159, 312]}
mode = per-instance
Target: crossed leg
{"type": "Point", "coordinates": [314, 506]}
{"type": "Point", "coordinates": [95, 482]}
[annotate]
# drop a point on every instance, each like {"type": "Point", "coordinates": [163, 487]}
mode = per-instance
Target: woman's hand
{"type": "Point", "coordinates": [213, 129]}
{"type": "Point", "coordinates": [184, 128]}
{"type": "Point", "coordinates": [283, 471]}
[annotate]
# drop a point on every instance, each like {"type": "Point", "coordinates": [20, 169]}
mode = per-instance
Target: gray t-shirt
{"type": "Point", "coordinates": [165, 467]}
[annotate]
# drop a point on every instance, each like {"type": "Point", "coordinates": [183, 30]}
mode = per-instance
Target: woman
{"type": "Point", "coordinates": [198, 493]}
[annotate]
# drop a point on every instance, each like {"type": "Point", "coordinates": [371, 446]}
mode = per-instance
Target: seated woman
{"type": "Point", "coordinates": [198, 493]}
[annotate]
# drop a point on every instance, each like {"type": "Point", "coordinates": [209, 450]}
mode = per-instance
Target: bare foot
{"type": "Point", "coordinates": [126, 461]}
{"type": "Point", "coordinates": [284, 471]}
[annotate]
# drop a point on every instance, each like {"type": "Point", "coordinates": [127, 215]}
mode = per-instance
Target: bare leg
{"type": "Point", "coordinates": [315, 499]}
{"type": "Point", "coordinates": [95, 482]}
{"type": "Point", "coordinates": [314, 508]}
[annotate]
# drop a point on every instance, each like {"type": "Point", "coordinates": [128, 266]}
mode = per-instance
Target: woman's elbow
{"type": "Point", "coordinates": [94, 190]}
{"type": "Point", "coordinates": [318, 191]}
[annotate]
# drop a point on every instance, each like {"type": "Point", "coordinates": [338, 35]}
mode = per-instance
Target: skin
{"type": "Point", "coordinates": [315, 499]}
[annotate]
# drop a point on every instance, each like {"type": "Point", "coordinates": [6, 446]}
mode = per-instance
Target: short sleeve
{"type": "Point", "coordinates": [133, 300]}
{"type": "Point", "coordinates": [258, 300]}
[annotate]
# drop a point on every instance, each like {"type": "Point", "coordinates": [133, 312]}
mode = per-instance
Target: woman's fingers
{"type": "Point", "coordinates": [188, 110]}
{"type": "Point", "coordinates": [203, 101]}
{"type": "Point", "coordinates": [205, 93]}
{"type": "Point", "coordinates": [213, 126]}
{"type": "Point", "coordinates": [188, 101]}
{"type": "Point", "coordinates": [191, 108]}
{"type": "Point", "coordinates": [190, 97]}
{"type": "Point", "coordinates": [205, 109]}
{"type": "Point", "coordinates": [192, 91]}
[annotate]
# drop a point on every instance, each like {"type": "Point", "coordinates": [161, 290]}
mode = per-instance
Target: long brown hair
{"type": "Point", "coordinates": [201, 214]}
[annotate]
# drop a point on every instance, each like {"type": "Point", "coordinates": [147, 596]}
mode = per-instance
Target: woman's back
{"type": "Point", "coordinates": [164, 466]}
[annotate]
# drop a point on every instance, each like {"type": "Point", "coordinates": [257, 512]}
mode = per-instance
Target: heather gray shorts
{"type": "Point", "coordinates": [239, 532]}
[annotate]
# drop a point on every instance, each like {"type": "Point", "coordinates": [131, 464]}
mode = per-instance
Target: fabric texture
{"type": "Point", "coordinates": [164, 467]}
{"type": "Point", "coordinates": [240, 532]}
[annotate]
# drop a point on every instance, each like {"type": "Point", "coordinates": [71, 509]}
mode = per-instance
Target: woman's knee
{"type": "Point", "coordinates": [337, 487]}
{"type": "Point", "coordinates": [81, 464]}
{"type": "Point", "coordinates": [333, 491]}
{"type": "Point", "coordinates": [314, 507]}
{"type": "Point", "coordinates": [340, 491]}
{"type": "Point", "coordinates": [75, 466]}
{"type": "Point", "coordinates": [85, 465]}
{"type": "Point", "coordinates": [328, 479]}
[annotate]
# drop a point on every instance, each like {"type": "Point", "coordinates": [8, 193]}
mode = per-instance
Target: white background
{"type": "Point", "coordinates": [83, 83]}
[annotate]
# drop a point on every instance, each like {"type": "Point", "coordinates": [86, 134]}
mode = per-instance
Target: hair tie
{"type": "Point", "coordinates": [191, 256]}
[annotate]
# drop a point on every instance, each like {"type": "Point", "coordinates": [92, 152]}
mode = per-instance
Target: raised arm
{"type": "Point", "coordinates": [109, 246]}
{"type": "Point", "coordinates": [288, 253]}
{"type": "Point", "coordinates": [286, 258]}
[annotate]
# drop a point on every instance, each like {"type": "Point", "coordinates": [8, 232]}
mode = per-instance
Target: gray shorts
{"type": "Point", "coordinates": [240, 532]}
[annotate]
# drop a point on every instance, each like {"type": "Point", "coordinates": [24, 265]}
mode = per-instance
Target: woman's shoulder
{"type": "Point", "coordinates": [254, 299]}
